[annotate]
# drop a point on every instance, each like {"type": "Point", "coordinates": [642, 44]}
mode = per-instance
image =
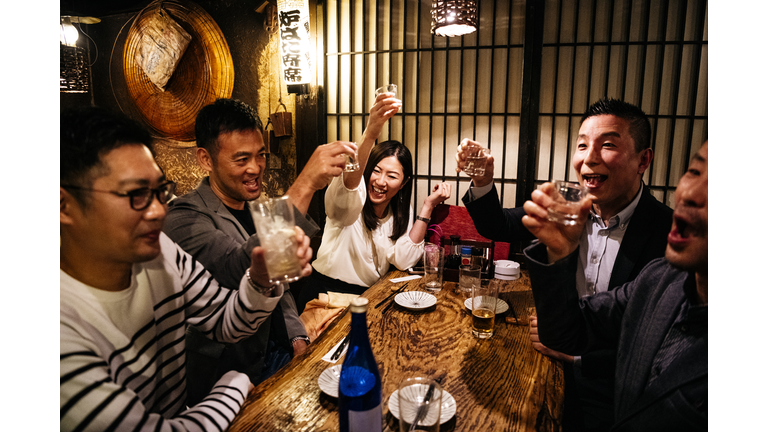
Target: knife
{"type": "Point", "coordinates": [390, 296]}
{"type": "Point", "coordinates": [423, 408]}
{"type": "Point", "coordinates": [338, 351]}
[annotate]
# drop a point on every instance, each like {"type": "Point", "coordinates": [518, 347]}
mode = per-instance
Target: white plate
{"type": "Point", "coordinates": [329, 381]}
{"type": "Point", "coordinates": [447, 409]}
{"type": "Point", "coordinates": [415, 300]}
{"type": "Point", "coordinates": [501, 305]}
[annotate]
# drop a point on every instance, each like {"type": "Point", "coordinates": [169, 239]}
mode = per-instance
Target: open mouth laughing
{"type": "Point", "coordinates": [378, 190]}
{"type": "Point", "coordinates": [684, 229]}
{"type": "Point", "coordinates": [252, 185]}
{"type": "Point", "coordinates": [593, 181]}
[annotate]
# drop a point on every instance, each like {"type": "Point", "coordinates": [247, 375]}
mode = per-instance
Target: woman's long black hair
{"type": "Point", "coordinates": [400, 203]}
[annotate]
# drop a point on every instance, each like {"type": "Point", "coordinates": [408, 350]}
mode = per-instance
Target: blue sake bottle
{"type": "Point", "coordinates": [360, 382]}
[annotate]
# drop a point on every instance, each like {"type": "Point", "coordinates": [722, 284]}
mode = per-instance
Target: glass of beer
{"type": "Point", "coordinates": [273, 218]}
{"type": "Point", "coordinates": [484, 299]}
{"type": "Point", "coordinates": [567, 197]}
{"type": "Point", "coordinates": [419, 401]}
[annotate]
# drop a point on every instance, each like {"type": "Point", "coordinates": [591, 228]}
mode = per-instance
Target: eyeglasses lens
{"type": "Point", "coordinates": [142, 198]}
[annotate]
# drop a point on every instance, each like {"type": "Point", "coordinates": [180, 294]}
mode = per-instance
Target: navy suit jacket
{"type": "Point", "coordinates": [644, 241]}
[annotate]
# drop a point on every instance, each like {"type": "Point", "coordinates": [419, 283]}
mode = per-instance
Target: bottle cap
{"type": "Point", "coordinates": [466, 250]}
{"type": "Point", "coordinates": [358, 305]}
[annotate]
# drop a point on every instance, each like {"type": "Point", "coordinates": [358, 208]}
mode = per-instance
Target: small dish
{"type": "Point", "coordinates": [501, 305]}
{"type": "Point", "coordinates": [447, 409]}
{"type": "Point", "coordinates": [329, 381]}
{"type": "Point", "coordinates": [415, 300]}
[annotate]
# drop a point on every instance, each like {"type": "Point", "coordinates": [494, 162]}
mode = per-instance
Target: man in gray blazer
{"type": "Point", "coordinates": [657, 322]}
{"type": "Point", "coordinates": [213, 224]}
{"type": "Point", "coordinates": [626, 229]}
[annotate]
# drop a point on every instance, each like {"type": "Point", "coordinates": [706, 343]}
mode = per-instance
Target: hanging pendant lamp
{"type": "Point", "coordinates": [454, 17]}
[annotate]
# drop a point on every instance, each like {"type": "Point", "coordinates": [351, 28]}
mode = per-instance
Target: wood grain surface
{"type": "Point", "coordinates": [500, 384]}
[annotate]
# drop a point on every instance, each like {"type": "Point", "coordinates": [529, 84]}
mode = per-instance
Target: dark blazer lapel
{"type": "Point", "coordinates": [214, 203]}
{"type": "Point", "coordinates": [634, 241]}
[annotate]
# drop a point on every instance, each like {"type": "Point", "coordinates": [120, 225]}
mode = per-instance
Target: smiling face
{"type": "Point", "coordinates": [607, 163]}
{"type": "Point", "coordinates": [237, 171]}
{"type": "Point", "coordinates": [386, 181]}
{"type": "Point", "coordinates": [108, 228]}
{"type": "Point", "coordinates": [687, 241]}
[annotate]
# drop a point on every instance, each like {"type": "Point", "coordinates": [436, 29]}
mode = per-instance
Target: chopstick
{"type": "Point", "coordinates": [386, 308]}
{"type": "Point", "coordinates": [422, 411]}
{"type": "Point", "coordinates": [512, 309]}
{"type": "Point", "coordinates": [338, 351]}
{"type": "Point", "coordinates": [390, 296]}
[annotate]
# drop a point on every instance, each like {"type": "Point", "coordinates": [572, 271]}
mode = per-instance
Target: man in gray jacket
{"type": "Point", "coordinates": [657, 322]}
{"type": "Point", "coordinates": [213, 224]}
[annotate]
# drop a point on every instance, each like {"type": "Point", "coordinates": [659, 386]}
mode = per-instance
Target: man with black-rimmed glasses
{"type": "Point", "coordinates": [128, 292]}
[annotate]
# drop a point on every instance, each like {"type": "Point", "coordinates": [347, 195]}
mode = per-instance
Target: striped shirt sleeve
{"type": "Point", "coordinates": [90, 400]}
{"type": "Point", "coordinates": [222, 314]}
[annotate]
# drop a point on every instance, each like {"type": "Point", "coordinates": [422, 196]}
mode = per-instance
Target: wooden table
{"type": "Point", "coordinates": [500, 384]}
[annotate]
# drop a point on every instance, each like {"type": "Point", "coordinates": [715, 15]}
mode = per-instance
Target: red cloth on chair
{"type": "Point", "coordinates": [456, 220]}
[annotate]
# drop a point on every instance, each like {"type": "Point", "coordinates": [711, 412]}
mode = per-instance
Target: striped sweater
{"type": "Point", "coordinates": [122, 362]}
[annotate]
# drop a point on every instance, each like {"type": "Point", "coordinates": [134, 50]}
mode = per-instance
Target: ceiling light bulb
{"type": "Point", "coordinates": [68, 33]}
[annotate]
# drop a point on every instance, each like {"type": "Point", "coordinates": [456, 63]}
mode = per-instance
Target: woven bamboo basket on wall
{"type": "Point", "coordinates": [204, 73]}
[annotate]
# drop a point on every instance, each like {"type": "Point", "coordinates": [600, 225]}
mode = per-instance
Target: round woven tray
{"type": "Point", "coordinates": [204, 74]}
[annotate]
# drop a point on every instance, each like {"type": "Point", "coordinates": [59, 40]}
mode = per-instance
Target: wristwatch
{"type": "Point", "coordinates": [423, 219]}
{"type": "Point", "coordinates": [304, 338]}
{"type": "Point", "coordinates": [263, 290]}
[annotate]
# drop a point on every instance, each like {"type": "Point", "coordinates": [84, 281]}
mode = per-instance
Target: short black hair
{"type": "Point", "coordinates": [224, 116]}
{"type": "Point", "coordinates": [401, 202]}
{"type": "Point", "coordinates": [639, 125]}
{"type": "Point", "coordinates": [87, 134]}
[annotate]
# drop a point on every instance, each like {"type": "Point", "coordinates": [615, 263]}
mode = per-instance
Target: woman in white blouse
{"type": "Point", "coordinates": [369, 225]}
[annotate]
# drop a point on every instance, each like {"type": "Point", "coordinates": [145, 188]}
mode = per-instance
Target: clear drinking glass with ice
{"type": "Point", "coordinates": [273, 218]}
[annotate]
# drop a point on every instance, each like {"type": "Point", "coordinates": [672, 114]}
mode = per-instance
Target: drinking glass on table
{"type": "Point", "coordinates": [419, 402]}
{"type": "Point", "coordinates": [273, 218]}
{"type": "Point", "coordinates": [484, 299]}
{"type": "Point", "coordinates": [567, 197]}
{"type": "Point", "coordinates": [434, 260]}
{"type": "Point", "coordinates": [469, 276]}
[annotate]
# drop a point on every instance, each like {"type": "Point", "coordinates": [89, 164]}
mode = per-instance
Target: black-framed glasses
{"type": "Point", "coordinates": [140, 198]}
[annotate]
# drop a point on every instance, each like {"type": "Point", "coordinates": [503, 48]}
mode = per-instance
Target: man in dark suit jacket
{"type": "Point", "coordinates": [658, 322]}
{"type": "Point", "coordinates": [213, 224]}
{"type": "Point", "coordinates": [627, 228]}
